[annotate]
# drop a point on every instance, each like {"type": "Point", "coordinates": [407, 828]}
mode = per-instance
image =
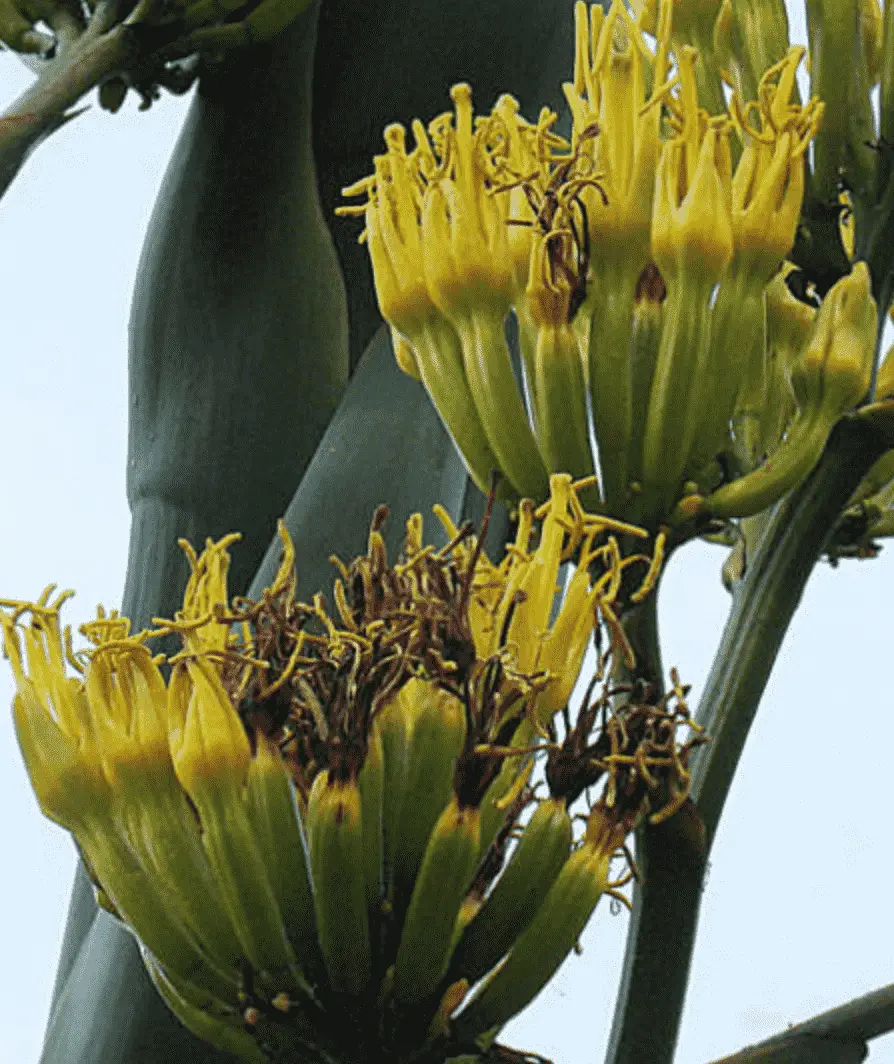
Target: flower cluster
{"type": "Point", "coordinates": [637, 259]}
{"type": "Point", "coordinates": [305, 815]}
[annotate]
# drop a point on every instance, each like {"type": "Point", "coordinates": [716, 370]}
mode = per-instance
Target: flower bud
{"type": "Point", "coordinates": [66, 773]}
{"type": "Point", "coordinates": [750, 38]}
{"type": "Point", "coordinates": [836, 29]}
{"type": "Point", "coordinates": [518, 158]}
{"type": "Point", "coordinates": [768, 185]}
{"type": "Point", "coordinates": [393, 238]}
{"type": "Point", "coordinates": [209, 746]}
{"type": "Point", "coordinates": [689, 18]}
{"type": "Point", "coordinates": [609, 94]}
{"type": "Point", "coordinates": [556, 386]}
{"type": "Point", "coordinates": [836, 365]}
{"type": "Point", "coordinates": [767, 191]}
{"type": "Point", "coordinates": [869, 14]}
{"type": "Point", "coordinates": [790, 323]}
{"type": "Point", "coordinates": [692, 25]}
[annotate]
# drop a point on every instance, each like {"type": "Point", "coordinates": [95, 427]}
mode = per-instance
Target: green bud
{"type": "Point", "coordinates": [693, 25]}
{"type": "Point", "coordinates": [112, 94]}
{"type": "Point", "coordinates": [834, 29]}
{"type": "Point", "coordinates": [749, 39]}
{"type": "Point", "coordinates": [832, 376]}
{"type": "Point", "coordinates": [836, 365]}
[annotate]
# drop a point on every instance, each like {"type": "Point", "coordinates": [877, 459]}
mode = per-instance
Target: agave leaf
{"type": "Point", "coordinates": [382, 61]}
{"type": "Point", "coordinates": [409, 462]}
{"type": "Point", "coordinates": [238, 358]}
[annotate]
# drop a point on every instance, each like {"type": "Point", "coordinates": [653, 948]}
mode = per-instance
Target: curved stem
{"type": "Point", "coordinates": [674, 855]}
{"type": "Point", "coordinates": [765, 602]}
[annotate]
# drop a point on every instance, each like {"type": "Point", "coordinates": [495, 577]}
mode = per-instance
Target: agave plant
{"type": "Point", "coordinates": [366, 817]}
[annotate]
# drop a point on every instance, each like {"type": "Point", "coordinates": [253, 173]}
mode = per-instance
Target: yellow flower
{"type": "Point", "coordinates": [495, 213]}
{"type": "Point", "coordinates": [465, 239]}
{"type": "Point", "coordinates": [511, 606]}
{"type": "Point", "coordinates": [436, 216]}
{"type": "Point", "coordinates": [425, 342]}
{"type": "Point", "coordinates": [248, 818]}
{"type": "Point", "coordinates": [768, 185]}
{"type": "Point", "coordinates": [617, 146]}
{"type": "Point", "coordinates": [767, 192]}
{"type": "Point", "coordinates": [691, 224]}
{"type": "Point", "coordinates": [126, 693]}
{"type": "Point", "coordinates": [51, 714]}
{"type": "Point", "coordinates": [615, 131]}
{"type": "Point", "coordinates": [516, 157]}
{"type": "Point", "coordinates": [96, 748]}
{"type": "Point", "coordinates": [394, 238]}
{"type": "Point", "coordinates": [208, 741]}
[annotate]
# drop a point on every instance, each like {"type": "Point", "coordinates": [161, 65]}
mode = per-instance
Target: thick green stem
{"type": "Point", "coordinates": [674, 855]}
{"type": "Point", "coordinates": [664, 854]}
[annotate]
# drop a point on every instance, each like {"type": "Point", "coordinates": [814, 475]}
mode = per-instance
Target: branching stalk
{"type": "Point", "coordinates": [838, 1036]}
{"type": "Point", "coordinates": [674, 855]}
{"type": "Point", "coordinates": [46, 104]}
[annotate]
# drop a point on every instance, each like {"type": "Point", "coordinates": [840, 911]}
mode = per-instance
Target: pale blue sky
{"type": "Point", "coordinates": [796, 916]}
